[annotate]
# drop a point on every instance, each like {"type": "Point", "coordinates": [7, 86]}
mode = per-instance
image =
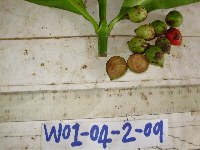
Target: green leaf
{"type": "Point", "coordinates": [70, 5]}
{"type": "Point", "coordinates": [75, 6]}
{"type": "Point", "coordinates": [150, 5]}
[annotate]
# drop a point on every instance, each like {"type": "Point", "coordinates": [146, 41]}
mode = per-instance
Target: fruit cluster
{"type": "Point", "coordinates": [144, 53]}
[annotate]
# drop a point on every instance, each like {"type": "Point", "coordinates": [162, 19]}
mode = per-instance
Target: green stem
{"type": "Point", "coordinates": [103, 30]}
{"type": "Point", "coordinates": [115, 20]}
{"type": "Point", "coordinates": [102, 45]}
{"type": "Point", "coordinates": [102, 10]}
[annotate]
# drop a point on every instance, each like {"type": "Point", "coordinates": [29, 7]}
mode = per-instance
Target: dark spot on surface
{"type": "Point", "coordinates": [34, 74]}
{"type": "Point", "coordinates": [154, 62]}
{"type": "Point", "coordinates": [66, 68]}
{"type": "Point", "coordinates": [42, 64]}
{"type": "Point", "coordinates": [170, 30]}
{"type": "Point", "coordinates": [143, 96]}
{"type": "Point", "coordinates": [135, 30]}
{"type": "Point", "coordinates": [85, 4]}
{"type": "Point", "coordinates": [84, 67]}
{"type": "Point", "coordinates": [26, 52]}
{"type": "Point", "coordinates": [127, 16]}
{"type": "Point", "coordinates": [158, 55]}
{"type": "Point", "coordinates": [170, 22]}
{"type": "Point", "coordinates": [176, 37]}
{"type": "Point", "coordinates": [136, 7]}
{"type": "Point", "coordinates": [158, 40]}
{"type": "Point", "coordinates": [32, 138]}
{"type": "Point", "coordinates": [165, 29]}
{"type": "Point", "coordinates": [166, 47]}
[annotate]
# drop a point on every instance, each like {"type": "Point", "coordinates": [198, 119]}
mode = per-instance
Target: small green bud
{"type": "Point", "coordinates": [137, 14]}
{"type": "Point", "coordinates": [160, 27]}
{"type": "Point", "coordinates": [174, 18]}
{"type": "Point", "coordinates": [137, 45]}
{"type": "Point", "coordinates": [146, 32]}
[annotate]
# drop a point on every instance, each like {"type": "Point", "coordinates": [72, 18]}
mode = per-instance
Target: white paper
{"type": "Point", "coordinates": [105, 135]}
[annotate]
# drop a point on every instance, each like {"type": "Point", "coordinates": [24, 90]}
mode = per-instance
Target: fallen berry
{"type": "Point", "coordinates": [116, 67]}
{"type": "Point", "coordinates": [137, 14]}
{"type": "Point", "coordinates": [174, 36]}
{"type": "Point", "coordinates": [164, 44]}
{"type": "Point", "coordinates": [174, 18]}
{"type": "Point", "coordinates": [137, 45]}
{"type": "Point", "coordinates": [137, 63]}
{"type": "Point", "coordinates": [160, 27]}
{"type": "Point", "coordinates": [155, 55]}
{"type": "Point", "coordinates": [146, 32]}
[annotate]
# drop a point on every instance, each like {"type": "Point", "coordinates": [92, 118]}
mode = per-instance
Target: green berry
{"type": "Point", "coordinates": [137, 45]}
{"type": "Point", "coordinates": [164, 44]}
{"type": "Point", "coordinates": [155, 55]}
{"type": "Point", "coordinates": [116, 67]}
{"type": "Point", "coordinates": [174, 18]}
{"type": "Point", "coordinates": [146, 32]}
{"type": "Point", "coordinates": [137, 14]}
{"type": "Point", "coordinates": [160, 27]}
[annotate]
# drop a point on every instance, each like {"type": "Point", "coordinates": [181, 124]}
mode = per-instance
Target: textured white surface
{"type": "Point", "coordinates": [57, 59]}
{"type": "Point", "coordinates": [46, 48]}
{"type": "Point", "coordinates": [72, 63]}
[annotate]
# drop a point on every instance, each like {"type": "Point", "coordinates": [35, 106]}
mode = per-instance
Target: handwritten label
{"type": "Point", "coordinates": [105, 135]}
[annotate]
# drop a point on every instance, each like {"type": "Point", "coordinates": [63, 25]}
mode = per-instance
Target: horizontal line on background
{"type": "Point", "coordinates": [39, 38]}
{"type": "Point", "coordinates": [68, 83]}
{"type": "Point", "coordinates": [64, 37]}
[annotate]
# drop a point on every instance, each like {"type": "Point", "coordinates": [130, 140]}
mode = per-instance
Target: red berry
{"type": "Point", "coordinates": [174, 36]}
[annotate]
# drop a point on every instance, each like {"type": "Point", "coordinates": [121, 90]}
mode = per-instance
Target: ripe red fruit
{"type": "Point", "coordinates": [174, 36]}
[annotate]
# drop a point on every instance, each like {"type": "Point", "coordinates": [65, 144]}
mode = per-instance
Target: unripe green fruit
{"type": "Point", "coordinates": [116, 67]}
{"type": "Point", "coordinates": [137, 14]}
{"type": "Point", "coordinates": [146, 32]}
{"type": "Point", "coordinates": [155, 55]}
{"type": "Point", "coordinates": [160, 27]}
{"type": "Point", "coordinates": [174, 18]}
{"type": "Point", "coordinates": [164, 44]}
{"type": "Point", "coordinates": [137, 45]}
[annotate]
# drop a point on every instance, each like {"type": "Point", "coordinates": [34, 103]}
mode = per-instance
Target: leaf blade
{"type": "Point", "coordinates": [61, 4]}
{"type": "Point", "coordinates": [151, 5]}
